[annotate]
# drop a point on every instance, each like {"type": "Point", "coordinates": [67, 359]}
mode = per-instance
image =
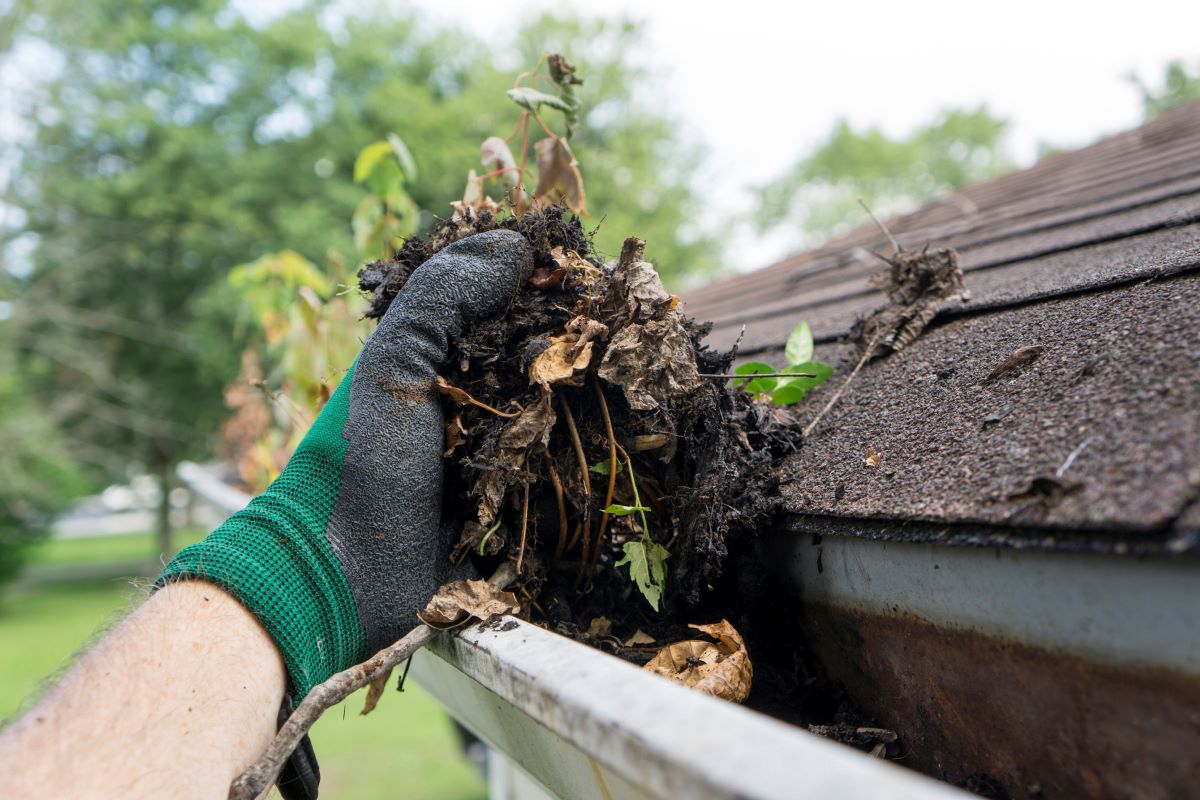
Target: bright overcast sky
{"type": "Point", "coordinates": [758, 83]}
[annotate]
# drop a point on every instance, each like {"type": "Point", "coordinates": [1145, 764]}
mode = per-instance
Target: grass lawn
{"type": "Point", "coordinates": [405, 749]}
{"type": "Point", "coordinates": [124, 549]}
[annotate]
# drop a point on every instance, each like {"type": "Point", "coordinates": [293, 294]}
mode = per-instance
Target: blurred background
{"type": "Point", "coordinates": [188, 188]}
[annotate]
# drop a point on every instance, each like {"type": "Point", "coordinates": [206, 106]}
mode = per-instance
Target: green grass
{"type": "Point", "coordinates": [405, 749]}
{"type": "Point", "coordinates": [123, 549]}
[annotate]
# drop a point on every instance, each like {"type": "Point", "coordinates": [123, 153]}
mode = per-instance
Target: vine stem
{"type": "Point", "coordinates": [612, 475]}
{"type": "Point", "coordinates": [583, 470]}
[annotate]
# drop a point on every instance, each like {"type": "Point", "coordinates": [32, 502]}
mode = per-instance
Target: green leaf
{"type": "Point", "coordinates": [758, 385]}
{"type": "Point", "coordinates": [647, 562]}
{"type": "Point", "coordinates": [532, 99]}
{"type": "Point", "coordinates": [787, 395]}
{"type": "Point", "coordinates": [618, 510]}
{"type": "Point", "coordinates": [601, 468]}
{"type": "Point", "coordinates": [407, 164]}
{"type": "Point", "coordinates": [799, 344]}
{"type": "Point", "coordinates": [369, 158]}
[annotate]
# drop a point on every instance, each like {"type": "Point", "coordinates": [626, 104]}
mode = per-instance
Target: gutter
{"type": "Point", "coordinates": [564, 720]}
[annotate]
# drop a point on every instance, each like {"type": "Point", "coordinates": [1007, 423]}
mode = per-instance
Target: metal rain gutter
{"type": "Point", "coordinates": [584, 725]}
{"type": "Point", "coordinates": [581, 724]}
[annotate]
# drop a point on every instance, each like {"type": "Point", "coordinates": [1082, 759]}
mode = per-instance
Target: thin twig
{"type": "Point", "coordinates": [556, 482]}
{"type": "Point", "coordinates": [583, 471]}
{"type": "Point", "coordinates": [524, 527]}
{"type": "Point", "coordinates": [1066, 465]}
{"type": "Point", "coordinates": [752, 375]}
{"type": "Point", "coordinates": [841, 389]}
{"type": "Point", "coordinates": [262, 773]}
{"type": "Point", "coordinates": [882, 227]}
{"type": "Point", "coordinates": [612, 473]}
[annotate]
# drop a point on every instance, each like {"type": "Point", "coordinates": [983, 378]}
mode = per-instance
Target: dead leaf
{"type": "Point", "coordinates": [458, 601]}
{"type": "Point", "coordinates": [722, 669]}
{"type": "Point", "coordinates": [599, 626]}
{"type": "Point", "coordinates": [564, 361]}
{"type": "Point", "coordinates": [653, 363]}
{"type": "Point", "coordinates": [1020, 356]}
{"type": "Point", "coordinates": [650, 441]}
{"type": "Point", "coordinates": [543, 278]}
{"type": "Point", "coordinates": [456, 434]}
{"type": "Point", "coordinates": [589, 330]}
{"type": "Point", "coordinates": [639, 637]}
{"type": "Point", "coordinates": [374, 692]}
{"type": "Point", "coordinates": [575, 264]}
{"type": "Point", "coordinates": [558, 175]}
{"type": "Point", "coordinates": [519, 437]}
{"type": "Point", "coordinates": [874, 457]}
{"type": "Point", "coordinates": [916, 285]}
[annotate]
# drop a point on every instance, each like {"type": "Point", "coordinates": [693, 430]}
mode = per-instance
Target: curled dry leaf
{"type": "Point", "coordinates": [574, 264]}
{"type": "Point", "coordinates": [873, 458]}
{"type": "Point", "coordinates": [721, 669]}
{"type": "Point", "coordinates": [558, 175]}
{"type": "Point", "coordinates": [589, 330]}
{"type": "Point", "coordinates": [458, 601]}
{"type": "Point", "coordinates": [374, 692]}
{"type": "Point", "coordinates": [653, 363]}
{"type": "Point", "coordinates": [448, 390]}
{"type": "Point", "coordinates": [599, 626]}
{"type": "Point", "coordinates": [564, 361]}
{"type": "Point", "coordinates": [916, 285]}
{"type": "Point", "coordinates": [1019, 357]}
{"type": "Point", "coordinates": [456, 434]}
{"type": "Point", "coordinates": [639, 637]}
{"type": "Point", "coordinates": [519, 437]}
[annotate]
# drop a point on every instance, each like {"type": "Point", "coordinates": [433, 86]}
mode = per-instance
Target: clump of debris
{"type": "Point", "coordinates": [591, 438]}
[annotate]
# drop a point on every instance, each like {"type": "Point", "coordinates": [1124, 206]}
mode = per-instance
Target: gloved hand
{"type": "Point", "coordinates": [339, 553]}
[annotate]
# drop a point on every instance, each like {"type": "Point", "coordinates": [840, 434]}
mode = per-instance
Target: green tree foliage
{"type": "Point", "coordinates": [168, 142]}
{"type": "Point", "coordinates": [1179, 86]}
{"type": "Point", "coordinates": [820, 193]}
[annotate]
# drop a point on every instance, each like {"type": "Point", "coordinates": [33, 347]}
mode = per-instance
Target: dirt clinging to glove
{"type": "Point", "coordinates": [531, 398]}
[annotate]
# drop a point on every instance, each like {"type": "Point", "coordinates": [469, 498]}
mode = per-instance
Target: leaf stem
{"type": "Point", "coordinates": [488, 535]}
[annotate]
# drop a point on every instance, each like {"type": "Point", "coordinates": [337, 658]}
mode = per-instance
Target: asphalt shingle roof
{"type": "Point", "coordinates": [1093, 255]}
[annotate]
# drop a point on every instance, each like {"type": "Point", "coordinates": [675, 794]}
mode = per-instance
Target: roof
{"type": "Point", "coordinates": [1093, 255]}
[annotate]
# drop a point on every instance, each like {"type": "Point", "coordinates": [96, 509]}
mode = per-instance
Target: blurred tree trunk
{"type": "Point", "coordinates": [166, 465]}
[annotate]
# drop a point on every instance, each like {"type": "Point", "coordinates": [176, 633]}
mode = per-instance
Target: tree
{"type": "Point", "coordinates": [170, 141]}
{"type": "Point", "coordinates": [1179, 86]}
{"type": "Point", "coordinates": [820, 193]}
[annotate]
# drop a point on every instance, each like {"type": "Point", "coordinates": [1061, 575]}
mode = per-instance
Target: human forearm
{"type": "Point", "coordinates": [190, 663]}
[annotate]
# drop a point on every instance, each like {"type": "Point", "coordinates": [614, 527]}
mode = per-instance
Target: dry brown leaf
{"type": "Point", "coordinates": [558, 175]}
{"type": "Point", "coordinates": [522, 434]}
{"type": "Point", "coordinates": [874, 457]}
{"type": "Point", "coordinates": [456, 434]}
{"type": "Point", "coordinates": [374, 692]}
{"type": "Point", "coordinates": [564, 361]}
{"type": "Point", "coordinates": [575, 264]}
{"type": "Point", "coordinates": [639, 637]}
{"type": "Point", "coordinates": [722, 669]}
{"type": "Point", "coordinates": [1020, 356]}
{"type": "Point", "coordinates": [599, 626]}
{"type": "Point", "coordinates": [589, 330]}
{"type": "Point", "coordinates": [916, 285]}
{"type": "Point", "coordinates": [458, 601]}
{"type": "Point", "coordinates": [653, 363]}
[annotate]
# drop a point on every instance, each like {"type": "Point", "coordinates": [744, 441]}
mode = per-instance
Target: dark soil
{"type": "Point", "coordinates": [703, 454]}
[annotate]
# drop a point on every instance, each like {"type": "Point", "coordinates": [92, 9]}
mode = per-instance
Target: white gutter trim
{"type": "Point", "coordinates": [586, 725]}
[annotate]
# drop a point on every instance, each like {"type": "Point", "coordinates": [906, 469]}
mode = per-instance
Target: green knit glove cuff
{"type": "Point", "coordinates": [274, 557]}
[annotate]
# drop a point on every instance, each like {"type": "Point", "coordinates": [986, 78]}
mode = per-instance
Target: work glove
{"type": "Point", "coordinates": [339, 553]}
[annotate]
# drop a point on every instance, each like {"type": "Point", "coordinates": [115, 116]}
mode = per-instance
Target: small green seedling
{"type": "Point", "coordinates": [646, 558]}
{"type": "Point", "coordinates": [787, 390]}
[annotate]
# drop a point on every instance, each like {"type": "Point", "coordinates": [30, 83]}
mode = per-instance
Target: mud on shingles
{"type": "Point", "coordinates": [702, 452]}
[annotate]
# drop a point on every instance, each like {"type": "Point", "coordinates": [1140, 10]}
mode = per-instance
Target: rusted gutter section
{"type": "Point", "coordinates": [1044, 674]}
{"type": "Point", "coordinates": [582, 724]}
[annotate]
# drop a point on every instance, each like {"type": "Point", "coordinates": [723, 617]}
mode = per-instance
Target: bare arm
{"type": "Point", "coordinates": [176, 701]}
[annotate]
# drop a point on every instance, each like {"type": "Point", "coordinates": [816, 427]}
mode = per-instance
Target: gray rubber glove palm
{"type": "Point", "coordinates": [339, 553]}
